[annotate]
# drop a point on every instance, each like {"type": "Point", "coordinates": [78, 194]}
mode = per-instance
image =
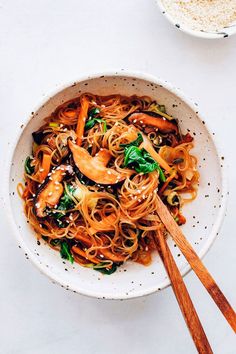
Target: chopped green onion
{"type": "Point", "coordinates": [161, 174]}
{"type": "Point", "coordinates": [53, 125]}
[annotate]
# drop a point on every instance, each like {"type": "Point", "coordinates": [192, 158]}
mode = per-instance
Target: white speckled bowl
{"type": "Point", "coordinates": [226, 32]}
{"type": "Point", "coordinates": [204, 215]}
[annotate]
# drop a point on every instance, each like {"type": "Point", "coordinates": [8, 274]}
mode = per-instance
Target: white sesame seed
{"type": "Point", "coordinates": [40, 225]}
{"type": "Point", "coordinates": [109, 172]}
{"type": "Point", "coordinates": [56, 182]}
{"type": "Point", "coordinates": [34, 195]}
{"type": "Point", "coordinates": [49, 174]}
{"type": "Point", "coordinates": [57, 188]}
{"type": "Point", "coordinates": [55, 206]}
{"type": "Point", "coordinates": [103, 106]}
{"type": "Point", "coordinates": [50, 178]}
{"type": "Point", "coordinates": [65, 130]}
{"type": "Point", "coordinates": [141, 122]}
{"type": "Point", "coordinates": [37, 205]}
{"type": "Point", "coordinates": [49, 194]}
{"type": "Point", "coordinates": [101, 255]}
{"type": "Point", "coordinates": [146, 248]}
{"type": "Point", "coordinates": [135, 120]}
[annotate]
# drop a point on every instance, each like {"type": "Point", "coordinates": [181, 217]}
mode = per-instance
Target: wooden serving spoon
{"type": "Point", "coordinates": [195, 263]}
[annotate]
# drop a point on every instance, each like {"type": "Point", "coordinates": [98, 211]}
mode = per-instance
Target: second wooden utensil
{"type": "Point", "coordinates": [196, 264]}
{"type": "Point", "coordinates": [182, 296]}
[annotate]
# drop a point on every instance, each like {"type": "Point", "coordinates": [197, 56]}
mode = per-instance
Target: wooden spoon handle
{"type": "Point", "coordinates": [182, 296]}
{"type": "Point", "coordinates": [196, 264]}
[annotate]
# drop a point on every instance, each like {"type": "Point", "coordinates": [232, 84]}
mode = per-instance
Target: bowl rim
{"type": "Point", "coordinates": [195, 33]}
{"type": "Point", "coordinates": [7, 200]}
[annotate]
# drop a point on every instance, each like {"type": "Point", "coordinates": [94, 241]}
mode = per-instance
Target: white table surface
{"type": "Point", "coordinates": [45, 43]}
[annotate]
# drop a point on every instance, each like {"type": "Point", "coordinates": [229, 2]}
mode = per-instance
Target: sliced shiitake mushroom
{"type": "Point", "coordinates": [51, 191]}
{"type": "Point", "coordinates": [153, 119]}
{"type": "Point", "coordinates": [173, 199]}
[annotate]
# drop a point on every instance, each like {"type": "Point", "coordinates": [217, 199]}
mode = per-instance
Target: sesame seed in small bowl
{"type": "Point", "coordinates": [210, 19]}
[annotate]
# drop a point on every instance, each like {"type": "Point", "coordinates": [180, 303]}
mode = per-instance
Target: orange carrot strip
{"type": "Point", "coordinates": [70, 113]}
{"type": "Point", "coordinates": [45, 167]}
{"type": "Point", "coordinates": [81, 120]}
{"type": "Point", "coordinates": [106, 224]}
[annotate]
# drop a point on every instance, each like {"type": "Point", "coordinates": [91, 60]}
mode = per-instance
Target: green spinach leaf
{"type": "Point", "coordinates": [65, 252]}
{"type": "Point", "coordinates": [45, 238]}
{"type": "Point", "coordinates": [93, 112]}
{"type": "Point", "coordinates": [141, 161]}
{"type": "Point", "coordinates": [93, 119]}
{"type": "Point", "coordinates": [65, 249]}
{"type": "Point", "coordinates": [106, 271]}
{"type": "Point", "coordinates": [29, 169]}
{"type": "Point", "coordinates": [66, 202]}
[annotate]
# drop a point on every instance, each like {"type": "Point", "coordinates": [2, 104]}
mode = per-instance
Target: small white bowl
{"type": "Point", "coordinates": [204, 215]}
{"type": "Point", "coordinates": [226, 32]}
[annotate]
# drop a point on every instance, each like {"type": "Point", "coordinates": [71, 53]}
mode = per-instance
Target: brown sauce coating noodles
{"type": "Point", "coordinates": [103, 225]}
